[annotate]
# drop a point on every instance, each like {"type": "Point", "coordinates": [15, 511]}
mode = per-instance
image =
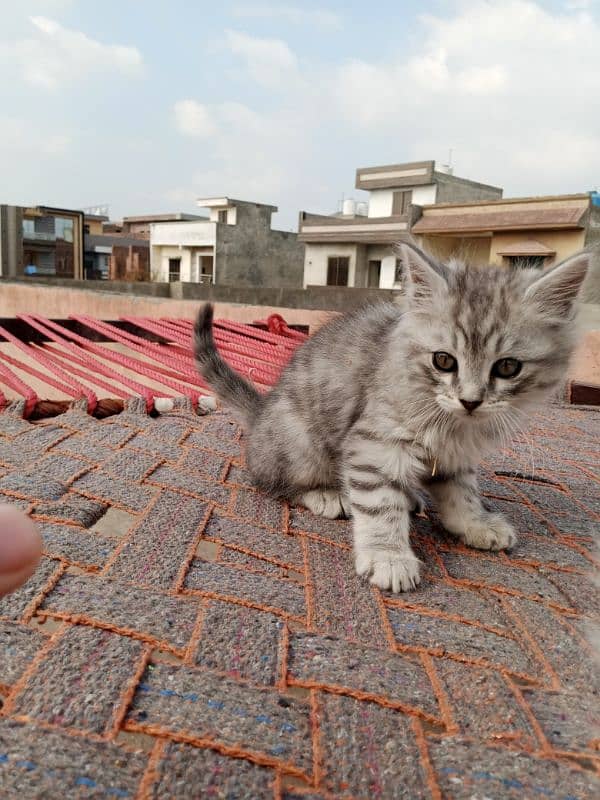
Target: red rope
{"type": "Point", "coordinates": [42, 376]}
{"type": "Point", "coordinates": [264, 373]}
{"type": "Point", "coordinates": [60, 335]}
{"type": "Point", "coordinates": [71, 358]}
{"type": "Point", "coordinates": [70, 386]}
{"type": "Point", "coordinates": [59, 356]}
{"type": "Point", "coordinates": [17, 385]}
{"type": "Point", "coordinates": [275, 356]}
{"type": "Point", "coordinates": [256, 333]}
{"type": "Point", "coordinates": [187, 373]}
{"type": "Point", "coordinates": [276, 324]}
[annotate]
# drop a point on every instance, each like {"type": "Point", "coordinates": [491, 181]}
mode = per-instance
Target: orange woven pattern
{"type": "Point", "coordinates": [186, 636]}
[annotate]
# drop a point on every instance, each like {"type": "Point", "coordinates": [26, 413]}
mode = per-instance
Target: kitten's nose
{"type": "Point", "coordinates": [470, 405]}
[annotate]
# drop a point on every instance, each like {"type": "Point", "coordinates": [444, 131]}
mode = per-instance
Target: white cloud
{"type": "Point", "coordinates": [510, 85]}
{"type": "Point", "coordinates": [194, 119]}
{"type": "Point", "coordinates": [579, 5]}
{"type": "Point", "coordinates": [54, 55]}
{"type": "Point", "coordinates": [270, 62]}
{"type": "Point", "coordinates": [18, 136]}
{"type": "Point", "coordinates": [294, 15]}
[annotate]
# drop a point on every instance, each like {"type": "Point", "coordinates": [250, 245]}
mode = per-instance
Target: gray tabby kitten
{"type": "Point", "coordinates": [381, 404]}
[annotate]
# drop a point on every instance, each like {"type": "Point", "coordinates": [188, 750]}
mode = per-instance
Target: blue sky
{"type": "Point", "coordinates": [146, 105]}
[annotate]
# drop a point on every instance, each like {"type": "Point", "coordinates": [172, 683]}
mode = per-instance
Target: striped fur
{"type": "Point", "coordinates": [361, 421]}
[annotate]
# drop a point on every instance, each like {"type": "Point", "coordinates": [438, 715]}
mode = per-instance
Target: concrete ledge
{"type": "Point", "coordinates": [143, 289]}
{"type": "Point", "coordinates": [329, 298]}
{"type": "Point", "coordinates": [325, 298]}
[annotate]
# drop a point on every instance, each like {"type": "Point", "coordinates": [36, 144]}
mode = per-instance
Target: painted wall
{"type": "Point", "coordinates": [388, 273]}
{"type": "Point", "coordinates": [380, 202]}
{"type": "Point", "coordinates": [160, 262]}
{"type": "Point", "coordinates": [315, 262]}
{"type": "Point", "coordinates": [385, 254]}
{"type": "Point", "coordinates": [189, 234]}
{"type": "Point", "coordinates": [179, 240]}
{"type": "Point", "coordinates": [231, 215]}
{"type": "Point", "coordinates": [424, 195]}
{"type": "Point", "coordinates": [565, 243]}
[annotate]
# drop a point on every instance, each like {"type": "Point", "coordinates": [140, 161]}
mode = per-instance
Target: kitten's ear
{"type": "Point", "coordinates": [425, 276]}
{"type": "Point", "coordinates": [554, 292]}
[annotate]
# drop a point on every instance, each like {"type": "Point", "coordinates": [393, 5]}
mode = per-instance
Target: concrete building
{"type": "Point", "coordinates": [41, 240]}
{"type": "Point", "coordinates": [116, 257]}
{"type": "Point", "coordinates": [516, 232]}
{"type": "Point", "coordinates": [355, 248]}
{"type": "Point", "coordinates": [94, 223]}
{"type": "Point", "coordinates": [234, 246]}
{"type": "Point", "coordinates": [121, 250]}
{"type": "Point", "coordinates": [139, 226]}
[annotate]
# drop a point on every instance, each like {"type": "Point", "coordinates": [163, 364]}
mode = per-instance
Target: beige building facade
{"type": "Point", "coordinates": [538, 230]}
{"type": "Point", "coordinates": [517, 232]}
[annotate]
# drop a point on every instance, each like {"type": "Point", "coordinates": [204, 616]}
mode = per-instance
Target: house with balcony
{"type": "Point", "coordinates": [234, 245]}
{"type": "Point", "coordinates": [41, 241]}
{"type": "Point", "coordinates": [516, 232]}
{"type": "Point", "coordinates": [355, 248]}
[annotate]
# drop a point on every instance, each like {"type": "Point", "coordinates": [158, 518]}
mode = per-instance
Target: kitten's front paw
{"type": "Point", "coordinates": [492, 532]}
{"type": "Point", "coordinates": [397, 570]}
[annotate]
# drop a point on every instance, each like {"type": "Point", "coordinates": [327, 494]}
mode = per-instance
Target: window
{"type": "Point", "coordinates": [525, 262]}
{"type": "Point", "coordinates": [222, 215]}
{"type": "Point", "coordinates": [174, 269]}
{"type": "Point", "coordinates": [205, 269]}
{"type": "Point", "coordinates": [337, 270]}
{"type": "Point", "coordinates": [28, 228]}
{"type": "Point", "coordinates": [400, 203]}
{"type": "Point", "coordinates": [399, 271]}
{"type": "Point", "coordinates": [63, 228]}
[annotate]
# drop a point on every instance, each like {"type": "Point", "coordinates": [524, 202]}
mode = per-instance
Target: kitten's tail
{"type": "Point", "coordinates": [230, 386]}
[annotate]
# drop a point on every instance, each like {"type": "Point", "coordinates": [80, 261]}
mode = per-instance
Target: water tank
{"type": "Point", "coordinates": [349, 207]}
{"type": "Point", "coordinates": [445, 168]}
{"type": "Point", "coordinates": [595, 198]}
{"type": "Point", "coordinates": [362, 209]}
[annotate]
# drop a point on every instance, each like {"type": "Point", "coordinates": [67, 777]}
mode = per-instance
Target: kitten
{"type": "Point", "coordinates": [381, 404]}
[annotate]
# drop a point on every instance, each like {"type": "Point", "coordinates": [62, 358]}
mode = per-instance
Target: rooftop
{"type": "Point", "coordinates": [413, 173]}
{"type": "Point", "coordinates": [185, 630]}
{"type": "Point", "coordinates": [168, 217]}
{"type": "Point", "coordinates": [93, 240]}
{"type": "Point", "coordinates": [227, 202]}
{"type": "Point", "coordinates": [477, 217]}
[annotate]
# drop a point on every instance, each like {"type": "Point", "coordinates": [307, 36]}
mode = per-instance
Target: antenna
{"type": "Point", "coordinates": [447, 169]}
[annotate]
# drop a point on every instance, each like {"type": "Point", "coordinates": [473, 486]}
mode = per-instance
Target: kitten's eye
{"type": "Point", "coordinates": [444, 362]}
{"type": "Point", "coordinates": [506, 368]}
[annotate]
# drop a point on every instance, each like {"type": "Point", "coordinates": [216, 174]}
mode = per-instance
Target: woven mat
{"type": "Point", "coordinates": [187, 637]}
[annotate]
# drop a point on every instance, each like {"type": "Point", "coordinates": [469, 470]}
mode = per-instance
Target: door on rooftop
{"type": "Point", "coordinates": [174, 269]}
{"type": "Point", "coordinates": [205, 269]}
{"type": "Point", "coordinates": [374, 274]}
{"type": "Point", "coordinates": [337, 270]}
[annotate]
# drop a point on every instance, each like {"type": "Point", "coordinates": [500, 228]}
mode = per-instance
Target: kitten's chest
{"type": "Point", "coordinates": [450, 456]}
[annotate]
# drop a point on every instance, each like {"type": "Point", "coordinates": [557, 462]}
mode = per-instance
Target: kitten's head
{"type": "Point", "coordinates": [487, 342]}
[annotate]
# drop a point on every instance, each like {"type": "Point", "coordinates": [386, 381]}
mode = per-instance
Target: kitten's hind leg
{"type": "Point", "coordinates": [463, 514]}
{"type": "Point", "coordinates": [326, 503]}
